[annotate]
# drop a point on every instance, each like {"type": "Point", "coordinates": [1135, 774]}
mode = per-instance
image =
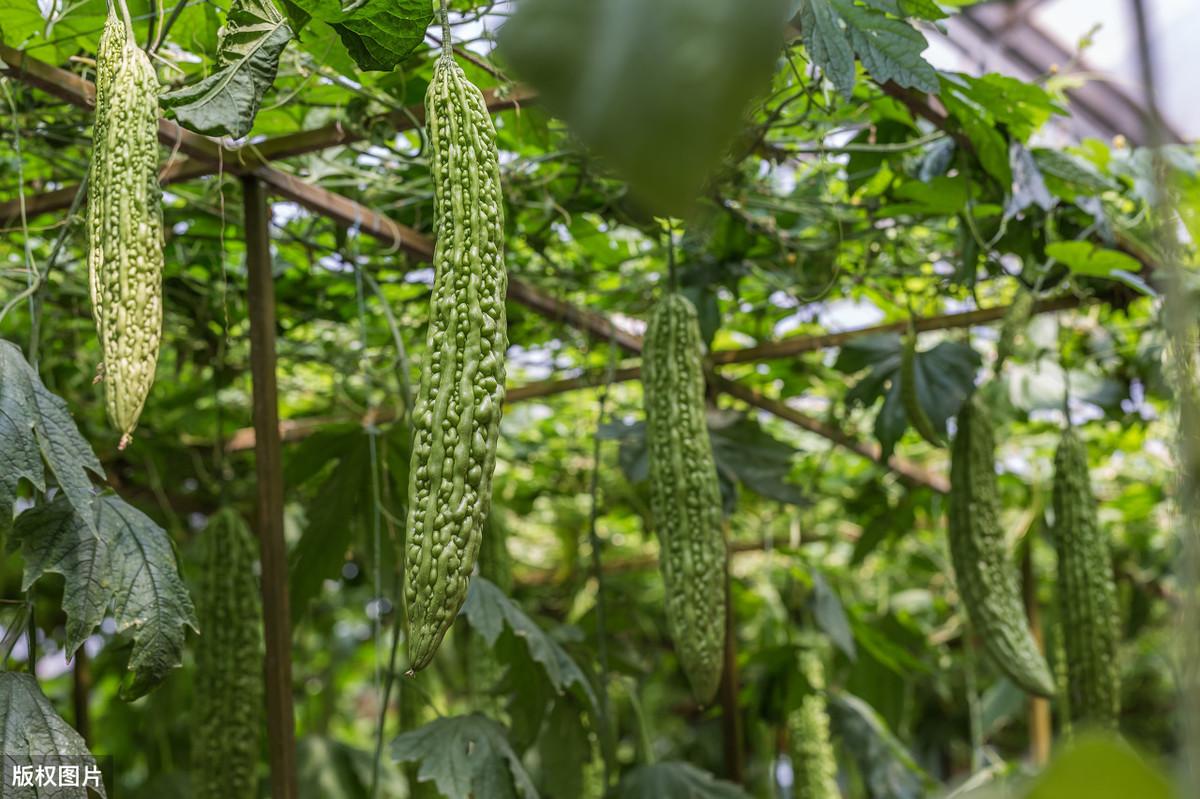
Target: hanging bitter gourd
{"type": "Point", "coordinates": [1016, 319]}
{"type": "Point", "coordinates": [456, 419]}
{"type": "Point", "coordinates": [685, 496]}
{"type": "Point", "coordinates": [983, 571]}
{"type": "Point", "coordinates": [908, 391]}
{"type": "Point", "coordinates": [229, 664]}
{"type": "Point", "coordinates": [125, 240]}
{"type": "Point", "coordinates": [813, 764]}
{"type": "Point", "coordinates": [1086, 591]}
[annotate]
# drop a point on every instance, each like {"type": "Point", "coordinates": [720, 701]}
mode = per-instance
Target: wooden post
{"type": "Point", "coordinates": [81, 694]}
{"type": "Point", "coordinates": [281, 733]}
{"type": "Point", "coordinates": [727, 693]}
{"type": "Point", "coordinates": [1039, 708]}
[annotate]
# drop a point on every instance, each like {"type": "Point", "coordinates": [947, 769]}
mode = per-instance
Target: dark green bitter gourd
{"type": "Point", "coordinates": [1086, 591]}
{"type": "Point", "coordinates": [813, 764]}
{"type": "Point", "coordinates": [685, 496]}
{"type": "Point", "coordinates": [1016, 319]}
{"type": "Point", "coordinates": [908, 391]}
{"type": "Point", "coordinates": [125, 240]}
{"type": "Point", "coordinates": [229, 664]}
{"type": "Point", "coordinates": [983, 571]}
{"type": "Point", "coordinates": [456, 419]}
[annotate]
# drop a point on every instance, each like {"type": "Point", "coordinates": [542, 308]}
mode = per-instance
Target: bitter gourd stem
{"type": "Point", "coordinates": [444, 14]}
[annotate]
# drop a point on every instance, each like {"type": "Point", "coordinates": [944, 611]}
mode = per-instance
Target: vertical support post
{"type": "Point", "coordinates": [81, 694]}
{"type": "Point", "coordinates": [727, 693]}
{"type": "Point", "coordinates": [268, 462]}
{"type": "Point", "coordinates": [1040, 730]}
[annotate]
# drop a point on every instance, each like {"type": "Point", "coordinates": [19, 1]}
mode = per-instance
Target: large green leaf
{"type": "Point", "coordinates": [33, 421]}
{"type": "Point", "coordinates": [464, 757]}
{"type": "Point", "coordinates": [489, 611]}
{"type": "Point", "coordinates": [1085, 258]}
{"type": "Point", "coordinates": [331, 769]}
{"type": "Point", "coordinates": [945, 376]}
{"type": "Point", "coordinates": [887, 767]}
{"type": "Point", "coordinates": [676, 780]}
{"type": "Point", "coordinates": [657, 89]}
{"type": "Point", "coordinates": [744, 452]}
{"type": "Point", "coordinates": [127, 567]}
{"type": "Point", "coordinates": [563, 747]}
{"type": "Point", "coordinates": [827, 44]}
{"type": "Point", "coordinates": [1100, 768]}
{"type": "Point", "coordinates": [225, 103]}
{"type": "Point", "coordinates": [379, 34]}
{"type": "Point", "coordinates": [890, 49]}
{"type": "Point", "coordinates": [32, 734]}
{"type": "Point", "coordinates": [335, 471]}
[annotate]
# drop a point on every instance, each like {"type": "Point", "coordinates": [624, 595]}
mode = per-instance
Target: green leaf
{"type": "Point", "coordinates": [225, 103]}
{"type": "Point", "coordinates": [945, 376]}
{"type": "Point", "coordinates": [1096, 767]}
{"type": "Point", "coordinates": [339, 510]}
{"type": "Point", "coordinates": [747, 453]}
{"type": "Point", "coordinates": [887, 767]}
{"type": "Point", "coordinates": [830, 615]}
{"type": "Point", "coordinates": [465, 756]}
{"type": "Point", "coordinates": [127, 567]}
{"type": "Point", "coordinates": [331, 769]}
{"type": "Point", "coordinates": [990, 145]}
{"type": "Point", "coordinates": [564, 748]}
{"type": "Point", "coordinates": [676, 780]}
{"type": "Point", "coordinates": [922, 9]}
{"type": "Point", "coordinates": [890, 49]}
{"type": "Point", "coordinates": [33, 421]}
{"type": "Point", "coordinates": [661, 114]}
{"type": "Point", "coordinates": [378, 33]}
{"type": "Point", "coordinates": [33, 734]}
{"type": "Point", "coordinates": [940, 196]}
{"type": "Point", "coordinates": [834, 31]}
{"type": "Point", "coordinates": [1067, 175]}
{"type": "Point", "coordinates": [1086, 258]}
{"type": "Point", "coordinates": [1020, 107]}
{"type": "Point", "coordinates": [1028, 187]}
{"type": "Point", "coordinates": [489, 611]}
{"type": "Point", "coordinates": [827, 45]}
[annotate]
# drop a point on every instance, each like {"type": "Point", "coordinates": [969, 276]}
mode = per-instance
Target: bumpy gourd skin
{"type": "Point", "coordinates": [1087, 593]}
{"type": "Point", "coordinates": [125, 242]}
{"type": "Point", "coordinates": [1016, 319]}
{"type": "Point", "coordinates": [229, 664]}
{"type": "Point", "coordinates": [813, 762]}
{"type": "Point", "coordinates": [983, 572]}
{"type": "Point", "coordinates": [685, 497]}
{"type": "Point", "coordinates": [456, 421]}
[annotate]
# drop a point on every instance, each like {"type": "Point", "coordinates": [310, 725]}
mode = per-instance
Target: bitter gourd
{"type": "Point", "coordinates": [983, 572]}
{"type": "Point", "coordinates": [813, 764]}
{"type": "Point", "coordinates": [1087, 593]}
{"type": "Point", "coordinates": [1016, 319]}
{"type": "Point", "coordinates": [125, 240]}
{"type": "Point", "coordinates": [456, 419]}
{"type": "Point", "coordinates": [908, 391]}
{"type": "Point", "coordinates": [229, 664]}
{"type": "Point", "coordinates": [685, 496]}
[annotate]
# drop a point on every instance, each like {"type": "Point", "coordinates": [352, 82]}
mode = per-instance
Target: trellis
{"type": "Point", "coordinates": [203, 156]}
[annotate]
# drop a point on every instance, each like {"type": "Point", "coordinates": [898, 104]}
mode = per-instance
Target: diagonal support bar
{"type": "Point", "coordinates": [203, 155]}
